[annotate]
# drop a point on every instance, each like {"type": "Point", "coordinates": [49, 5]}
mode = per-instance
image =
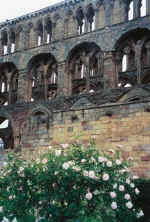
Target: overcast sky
{"type": "Point", "coordinates": [10, 9]}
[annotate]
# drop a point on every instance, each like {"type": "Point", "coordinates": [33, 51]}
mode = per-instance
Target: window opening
{"type": "Point", "coordinates": [5, 49]}
{"type": "Point", "coordinates": [12, 47]}
{"type": "Point", "coordinates": [124, 63]}
{"type": "Point", "coordinates": [130, 12]}
{"type": "Point", "coordinates": [143, 8]}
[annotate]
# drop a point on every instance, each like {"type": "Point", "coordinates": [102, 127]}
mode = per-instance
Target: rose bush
{"type": "Point", "coordinates": [73, 185]}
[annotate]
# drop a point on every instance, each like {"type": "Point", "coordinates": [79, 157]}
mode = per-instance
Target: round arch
{"type": "Point", "coordinates": [42, 77]}
{"type": "Point", "coordinates": [8, 83]}
{"type": "Point", "coordinates": [37, 121]}
{"type": "Point", "coordinates": [132, 56]}
{"type": "Point", "coordinates": [85, 68]}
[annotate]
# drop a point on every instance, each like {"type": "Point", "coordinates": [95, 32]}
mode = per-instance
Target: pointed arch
{"type": "Point", "coordinates": [42, 71]}
{"type": "Point", "coordinates": [80, 20]}
{"type": "Point", "coordinates": [90, 18]}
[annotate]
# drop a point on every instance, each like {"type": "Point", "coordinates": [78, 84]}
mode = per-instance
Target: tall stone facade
{"type": "Point", "coordinates": [78, 69]}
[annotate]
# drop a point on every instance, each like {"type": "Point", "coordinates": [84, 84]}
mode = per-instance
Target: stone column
{"type": "Point", "coordinates": [125, 8]}
{"type": "Point", "coordinates": [62, 80]}
{"type": "Point", "coordinates": [108, 6]}
{"type": "Point", "coordinates": [109, 70]}
{"type": "Point", "coordinates": [147, 46]}
{"type": "Point", "coordinates": [136, 8]}
{"type": "Point", "coordinates": [8, 43]}
{"type": "Point", "coordinates": [147, 7]}
{"type": "Point", "coordinates": [118, 67]}
{"type": "Point", "coordinates": [1, 47]}
{"type": "Point", "coordinates": [22, 92]}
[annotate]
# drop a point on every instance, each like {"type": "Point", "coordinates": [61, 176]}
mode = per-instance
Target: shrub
{"type": "Point", "coordinates": [73, 185]}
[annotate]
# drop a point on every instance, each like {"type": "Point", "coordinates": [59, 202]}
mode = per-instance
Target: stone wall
{"type": "Point", "coordinates": [122, 127]}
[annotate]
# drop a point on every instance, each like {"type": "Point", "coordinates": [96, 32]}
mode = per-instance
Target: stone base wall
{"type": "Point", "coordinates": [124, 127]}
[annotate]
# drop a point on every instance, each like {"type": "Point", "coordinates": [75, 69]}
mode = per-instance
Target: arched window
{"type": "Point", "coordinates": [1, 145]}
{"type": "Point", "coordinates": [40, 33]}
{"type": "Point", "coordinates": [12, 41]}
{"type": "Point", "coordinates": [124, 63]}
{"type": "Point", "coordinates": [91, 18]}
{"type": "Point", "coordinates": [130, 12]}
{"type": "Point", "coordinates": [143, 8]}
{"type": "Point", "coordinates": [48, 28]}
{"type": "Point", "coordinates": [81, 20]}
{"type": "Point", "coordinates": [85, 66]}
{"type": "Point", "coordinates": [5, 42]}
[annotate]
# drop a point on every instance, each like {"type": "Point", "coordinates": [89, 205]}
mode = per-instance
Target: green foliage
{"type": "Point", "coordinates": [143, 199]}
{"type": "Point", "coordinates": [76, 185]}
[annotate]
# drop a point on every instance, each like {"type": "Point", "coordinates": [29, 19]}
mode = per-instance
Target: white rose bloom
{"type": "Point", "coordinates": [85, 173]}
{"type": "Point", "coordinates": [91, 174]}
{"type": "Point", "coordinates": [5, 219]}
{"type": "Point", "coordinates": [109, 163]}
{"type": "Point", "coordinates": [135, 177]}
{"type": "Point", "coordinates": [58, 152]}
{"type": "Point", "coordinates": [92, 159]}
{"type": "Point", "coordinates": [105, 177]}
{"type": "Point", "coordinates": [37, 161]}
{"type": "Point", "coordinates": [137, 191]}
{"type": "Point", "coordinates": [83, 161]}
{"type": "Point", "coordinates": [128, 181]}
{"type": "Point", "coordinates": [113, 194]}
{"type": "Point", "coordinates": [5, 164]}
{"type": "Point", "coordinates": [65, 166]}
{"type": "Point", "coordinates": [140, 214]}
{"type": "Point", "coordinates": [76, 168]}
{"type": "Point", "coordinates": [114, 205]}
{"type": "Point", "coordinates": [96, 192]}
{"type": "Point", "coordinates": [21, 169]}
{"type": "Point", "coordinates": [132, 185]}
{"type": "Point", "coordinates": [129, 204]}
{"type": "Point", "coordinates": [71, 162]}
{"type": "Point", "coordinates": [65, 145]}
{"type": "Point", "coordinates": [89, 196]}
{"type": "Point", "coordinates": [121, 188]}
{"type": "Point", "coordinates": [118, 162]}
{"type": "Point", "coordinates": [122, 171]}
{"type": "Point", "coordinates": [127, 196]}
{"type": "Point", "coordinates": [115, 186]}
{"type": "Point", "coordinates": [10, 197]}
{"type": "Point", "coordinates": [101, 159]}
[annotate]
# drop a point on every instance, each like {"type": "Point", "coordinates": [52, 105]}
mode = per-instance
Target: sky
{"type": "Point", "coordinates": [12, 9]}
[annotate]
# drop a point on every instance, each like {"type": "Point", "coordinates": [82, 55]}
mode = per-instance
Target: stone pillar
{"type": "Point", "coordinates": [62, 80]}
{"type": "Point", "coordinates": [147, 46]}
{"type": "Point", "coordinates": [22, 87]}
{"type": "Point", "coordinates": [72, 26]}
{"type": "Point", "coordinates": [108, 6]}
{"type": "Point", "coordinates": [124, 12]}
{"type": "Point", "coordinates": [136, 8]}
{"type": "Point", "coordinates": [118, 67]}
{"type": "Point", "coordinates": [8, 43]}
{"type": "Point", "coordinates": [109, 70]}
{"type": "Point", "coordinates": [147, 7]}
{"type": "Point", "coordinates": [1, 47]}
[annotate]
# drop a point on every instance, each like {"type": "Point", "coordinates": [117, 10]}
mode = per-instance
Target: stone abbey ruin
{"type": "Point", "coordinates": [78, 69]}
